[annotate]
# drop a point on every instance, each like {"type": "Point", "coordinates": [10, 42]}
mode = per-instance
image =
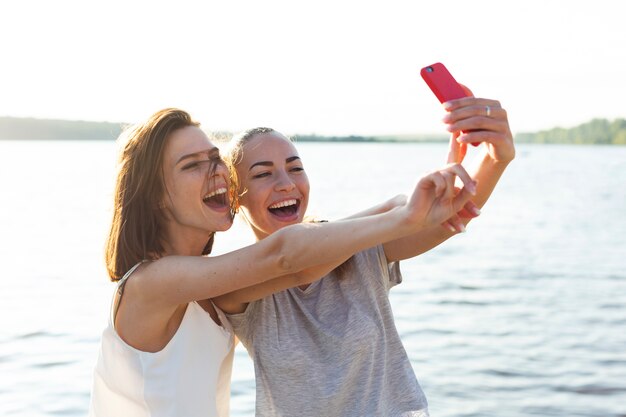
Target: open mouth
{"type": "Point", "coordinates": [286, 209]}
{"type": "Point", "coordinates": [217, 199]}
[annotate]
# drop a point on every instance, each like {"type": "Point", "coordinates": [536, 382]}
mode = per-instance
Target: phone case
{"type": "Point", "coordinates": [443, 84]}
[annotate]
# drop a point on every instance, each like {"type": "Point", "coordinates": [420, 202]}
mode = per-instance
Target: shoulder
{"type": "Point", "coordinates": [372, 258]}
{"type": "Point", "coordinates": [373, 265]}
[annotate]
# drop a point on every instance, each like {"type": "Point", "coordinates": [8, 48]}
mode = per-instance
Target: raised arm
{"type": "Point", "coordinates": [482, 120]}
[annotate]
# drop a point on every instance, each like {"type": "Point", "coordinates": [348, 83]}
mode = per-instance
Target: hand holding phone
{"type": "Point", "coordinates": [443, 84]}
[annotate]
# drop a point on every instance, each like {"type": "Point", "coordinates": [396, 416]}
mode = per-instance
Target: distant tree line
{"type": "Point", "coordinates": [42, 129]}
{"type": "Point", "coordinates": [317, 138]}
{"type": "Point", "coordinates": [597, 131]}
{"type": "Point", "coordinates": [420, 138]}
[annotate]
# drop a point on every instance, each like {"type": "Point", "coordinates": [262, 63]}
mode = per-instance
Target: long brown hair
{"type": "Point", "coordinates": [138, 220]}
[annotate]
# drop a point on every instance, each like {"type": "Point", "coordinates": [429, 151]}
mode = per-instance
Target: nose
{"type": "Point", "coordinates": [221, 169]}
{"type": "Point", "coordinates": [284, 182]}
{"type": "Point", "coordinates": [218, 170]}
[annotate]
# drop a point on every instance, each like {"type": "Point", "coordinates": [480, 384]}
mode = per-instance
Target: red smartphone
{"type": "Point", "coordinates": [443, 84]}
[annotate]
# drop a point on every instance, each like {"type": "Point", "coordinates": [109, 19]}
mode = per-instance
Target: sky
{"type": "Point", "coordinates": [328, 67]}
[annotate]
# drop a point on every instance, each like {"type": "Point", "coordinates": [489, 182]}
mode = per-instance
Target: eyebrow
{"type": "Point", "coordinates": [270, 163]}
{"type": "Point", "coordinates": [209, 152]}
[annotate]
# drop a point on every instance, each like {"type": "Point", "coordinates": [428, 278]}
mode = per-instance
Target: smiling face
{"type": "Point", "coordinates": [273, 182]}
{"type": "Point", "coordinates": [196, 199]}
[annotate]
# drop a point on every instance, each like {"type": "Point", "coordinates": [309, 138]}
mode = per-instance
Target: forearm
{"type": "Point", "coordinates": [299, 247]}
{"type": "Point", "coordinates": [313, 244]}
{"type": "Point", "coordinates": [470, 120]}
{"type": "Point", "coordinates": [178, 279]}
{"type": "Point", "coordinates": [383, 207]}
{"type": "Point", "coordinates": [308, 251]}
{"type": "Point", "coordinates": [487, 173]}
{"type": "Point", "coordinates": [236, 301]}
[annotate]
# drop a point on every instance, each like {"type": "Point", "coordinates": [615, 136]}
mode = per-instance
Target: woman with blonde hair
{"type": "Point", "coordinates": [331, 348]}
{"type": "Point", "coordinates": [167, 350]}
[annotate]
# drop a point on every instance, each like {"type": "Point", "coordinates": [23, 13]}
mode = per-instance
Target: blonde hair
{"type": "Point", "coordinates": [234, 156]}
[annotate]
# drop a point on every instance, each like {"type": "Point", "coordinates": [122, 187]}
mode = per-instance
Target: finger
{"type": "Point", "coordinates": [469, 112]}
{"type": "Point", "coordinates": [454, 224]}
{"type": "Point", "coordinates": [454, 149]}
{"type": "Point", "coordinates": [461, 200]}
{"type": "Point", "coordinates": [474, 123]}
{"type": "Point", "coordinates": [482, 136]}
{"type": "Point", "coordinates": [459, 226]}
{"type": "Point", "coordinates": [469, 211]}
{"type": "Point", "coordinates": [464, 214]}
{"type": "Point", "coordinates": [462, 150]}
{"type": "Point", "coordinates": [448, 226]}
{"type": "Point", "coordinates": [453, 105]}
{"type": "Point", "coordinates": [467, 90]}
{"type": "Point", "coordinates": [430, 183]}
{"type": "Point", "coordinates": [439, 183]}
{"type": "Point", "coordinates": [468, 183]}
{"type": "Point", "coordinates": [450, 191]}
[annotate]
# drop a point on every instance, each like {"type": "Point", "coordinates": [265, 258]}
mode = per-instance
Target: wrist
{"type": "Point", "coordinates": [406, 223]}
{"type": "Point", "coordinates": [497, 163]}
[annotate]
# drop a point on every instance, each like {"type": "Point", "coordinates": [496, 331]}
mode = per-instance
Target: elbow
{"type": "Point", "coordinates": [282, 254]}
{"type": "Point", "coordinates": [284, 264]}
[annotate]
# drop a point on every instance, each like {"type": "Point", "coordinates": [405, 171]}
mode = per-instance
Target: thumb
{"type": "Point", "coordinates": [467, 90]}
{"type": "Point", "coordinates": [425, 192]}
{"type": "Point", "coordinates": [454, 150]}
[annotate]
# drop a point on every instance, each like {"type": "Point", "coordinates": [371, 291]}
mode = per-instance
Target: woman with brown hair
{"type": "Point", "coordinates": [168, 350]}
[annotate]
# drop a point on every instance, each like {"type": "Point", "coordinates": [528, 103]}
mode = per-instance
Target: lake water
{"type": "Point", "coordinates": [524, 315]}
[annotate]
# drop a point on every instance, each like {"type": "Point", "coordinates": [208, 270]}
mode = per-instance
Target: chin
{"type": "Point", "coordinates": [277, 225]}
{"type": "Point", "coordinates": [227, 224]}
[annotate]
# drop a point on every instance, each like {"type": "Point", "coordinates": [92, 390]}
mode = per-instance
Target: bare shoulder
{"type": "Point", "coordinates": [140, 322]}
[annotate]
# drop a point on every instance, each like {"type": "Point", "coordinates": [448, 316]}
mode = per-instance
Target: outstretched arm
{"type": "Point", "coordinates": [434, 195]}
{"type": "Point", "coordinates": [469, 120]}
{"type": "Point", "coordinates": [161, 289]}
{"type": "Point", "coordinates": [237, 301]}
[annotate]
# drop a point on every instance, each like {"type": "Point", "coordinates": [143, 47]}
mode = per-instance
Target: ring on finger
{"type": "Point", "coordinates": [488, 111]}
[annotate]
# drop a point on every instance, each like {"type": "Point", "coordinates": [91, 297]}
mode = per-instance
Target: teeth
{"type": "Point", "coordinates": [222, 190]}
{"type": "Point", "coordinates": [285, 203]}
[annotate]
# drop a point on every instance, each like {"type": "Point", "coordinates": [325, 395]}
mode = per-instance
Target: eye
{"type": "Point", "coordinates": [261, 175]}
{"type": "Point", "coordinates": [200, 162]}
{"type": "Point", "coordinates": [297, 169]}
{"type": "Point", "coordinates": [190, 165]}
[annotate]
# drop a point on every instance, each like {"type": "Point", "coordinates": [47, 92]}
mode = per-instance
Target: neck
{"type": "Point", "coordinates": [187, 244]}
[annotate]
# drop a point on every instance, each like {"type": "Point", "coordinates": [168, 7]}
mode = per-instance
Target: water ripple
{"type": "Point", "coordinates": [52, 364]}
{"type": "Point", "coordinates": [591, 389]}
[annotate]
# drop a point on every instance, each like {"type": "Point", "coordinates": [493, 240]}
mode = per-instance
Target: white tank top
{"type": "Point", "coordinates": [189, 377]}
